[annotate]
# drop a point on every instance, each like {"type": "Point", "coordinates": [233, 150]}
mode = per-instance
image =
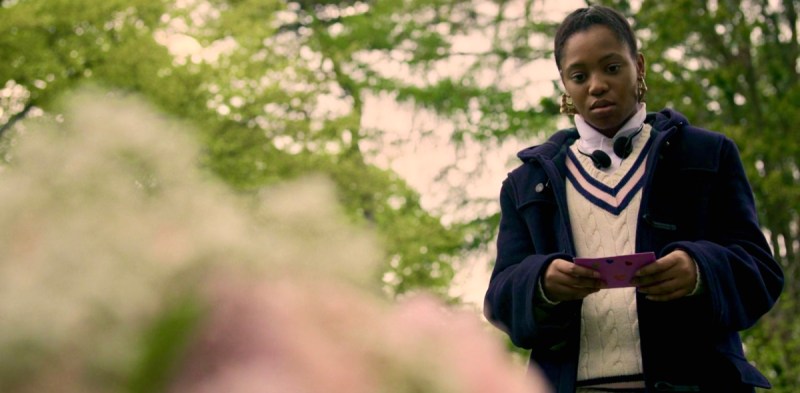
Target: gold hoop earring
{"type": "Point", "coordinates": [641, 88]}
{"type": "Point", "coordinates": [567, 106]}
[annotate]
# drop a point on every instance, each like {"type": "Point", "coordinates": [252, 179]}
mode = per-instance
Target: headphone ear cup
{"type": "Point", "coordinates": [623, 147]}
{"type": "Point", "coordinates": [600, 159]}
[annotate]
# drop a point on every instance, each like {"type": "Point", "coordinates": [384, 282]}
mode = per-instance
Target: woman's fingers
{"type": "Point", "coordinates": [672, 276]}
{"type": "Point", "coordinates": [566, 281]}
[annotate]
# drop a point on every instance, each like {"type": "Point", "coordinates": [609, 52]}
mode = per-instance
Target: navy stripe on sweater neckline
{"type": "Point", "coordinates": [613, 191]}
{"type": "Point", "coordinates": [616, 199]}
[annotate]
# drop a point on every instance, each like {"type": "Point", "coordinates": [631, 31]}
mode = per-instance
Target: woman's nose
{"type": "Point", "coordinates": [597, 85]}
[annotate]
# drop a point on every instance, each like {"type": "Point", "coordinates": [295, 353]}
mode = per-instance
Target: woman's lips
{"type": "Point", "coordinates": [602, 109]}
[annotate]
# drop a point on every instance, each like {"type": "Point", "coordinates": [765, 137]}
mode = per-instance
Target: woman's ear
{"type": "Point", "coordinates": [640, 65]}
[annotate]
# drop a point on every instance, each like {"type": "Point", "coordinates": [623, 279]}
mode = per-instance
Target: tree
{"type": "Point", "coordinates": [278, 89]}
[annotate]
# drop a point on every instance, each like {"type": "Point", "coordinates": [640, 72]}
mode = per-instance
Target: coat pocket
{"type": "Point", "coordinates": [682, 203]}
{"type": "Point", "coordinates": [539, 209]}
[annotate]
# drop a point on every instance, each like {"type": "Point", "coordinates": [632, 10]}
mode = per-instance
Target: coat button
{"type": "Point", "coordinates": [539, 187]}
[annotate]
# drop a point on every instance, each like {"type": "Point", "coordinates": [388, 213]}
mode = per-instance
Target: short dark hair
{"type": "Point", "coordinates": [584, 18]}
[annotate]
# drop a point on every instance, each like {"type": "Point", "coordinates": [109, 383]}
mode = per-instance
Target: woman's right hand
{"type": "Point", "coordinates": [564, 280]}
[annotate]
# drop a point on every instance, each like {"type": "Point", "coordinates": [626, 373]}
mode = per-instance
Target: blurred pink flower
{"type": "Point", "coordinates": [300, 335]}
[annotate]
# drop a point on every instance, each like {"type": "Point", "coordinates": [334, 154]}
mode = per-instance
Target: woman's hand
{"type": "Point", "coordinates": [670, 277]}
{"type": "Point", "coordinates": [564, 280]}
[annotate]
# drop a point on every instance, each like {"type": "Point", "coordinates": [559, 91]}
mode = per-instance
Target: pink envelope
{"type": "Point", "coordinates": [617, 271]}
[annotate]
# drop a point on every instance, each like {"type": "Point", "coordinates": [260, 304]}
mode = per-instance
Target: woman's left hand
{"type": "Point", "coordinates": [671, 277]}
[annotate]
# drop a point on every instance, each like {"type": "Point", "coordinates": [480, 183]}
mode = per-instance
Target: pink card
{"type": "Point", "coordinates": [617, 271]}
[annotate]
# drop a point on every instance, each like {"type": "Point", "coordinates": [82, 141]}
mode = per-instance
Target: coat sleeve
{"type": "Point", "coordinates": [740, 276]}
{"type": "Point", "coordinates": [511, 302]}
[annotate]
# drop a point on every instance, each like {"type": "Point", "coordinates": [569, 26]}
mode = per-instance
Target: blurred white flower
{"type": "Point", "coordinates": [125, 268]}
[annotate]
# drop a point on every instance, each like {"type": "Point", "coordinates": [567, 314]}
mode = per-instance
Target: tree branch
{"type": "Point", "coordinates": [790, 12]}
{"type": "Point", "coordinates": [15, 118]}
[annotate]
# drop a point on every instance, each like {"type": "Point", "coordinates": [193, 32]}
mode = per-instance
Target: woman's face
{"type": "Point", "coordinates": [600, 75]}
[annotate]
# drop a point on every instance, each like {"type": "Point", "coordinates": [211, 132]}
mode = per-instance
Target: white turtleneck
{"type": "Point", "coordinates": [591, 139]}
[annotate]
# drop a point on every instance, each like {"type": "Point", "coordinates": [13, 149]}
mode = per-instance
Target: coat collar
{"type": "Point", "coordinates": [556, 144]}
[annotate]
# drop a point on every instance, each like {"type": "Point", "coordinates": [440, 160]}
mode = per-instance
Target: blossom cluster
{"type": "Point", "coordinates": [125, 267]}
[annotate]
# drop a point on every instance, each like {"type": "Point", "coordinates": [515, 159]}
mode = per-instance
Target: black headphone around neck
{"type": "Point", "coordinates": [623, 146]}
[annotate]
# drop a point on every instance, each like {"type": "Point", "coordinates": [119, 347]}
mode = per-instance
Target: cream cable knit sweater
{"type": "Point", "coordinates": [603, 210]}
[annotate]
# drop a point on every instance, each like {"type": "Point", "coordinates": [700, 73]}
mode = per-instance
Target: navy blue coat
{"type": "Point", "coordinates": [695, 197]}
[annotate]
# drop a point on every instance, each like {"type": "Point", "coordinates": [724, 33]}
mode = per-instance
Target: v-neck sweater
{"type": "Point", "coordinates": [603, 211]}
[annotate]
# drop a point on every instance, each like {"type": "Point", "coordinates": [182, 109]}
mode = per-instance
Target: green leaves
{"type": "Point", "coordinates": [163, 346]}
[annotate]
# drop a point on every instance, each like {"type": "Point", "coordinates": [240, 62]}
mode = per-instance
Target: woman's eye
{"type": "Point", "coordinates": [578, 77]}
{"type": "Point", "coordinates": [613, 68]}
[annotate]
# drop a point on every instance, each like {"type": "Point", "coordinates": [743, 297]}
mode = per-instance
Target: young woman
{"type": "Point", "coordinates": [625, 181]}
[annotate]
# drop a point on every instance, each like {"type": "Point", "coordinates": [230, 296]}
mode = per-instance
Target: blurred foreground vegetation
{"type": "Point", "coordinates": [127, 269]}
{"type": "Point", "coordinates": [279, 89]}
